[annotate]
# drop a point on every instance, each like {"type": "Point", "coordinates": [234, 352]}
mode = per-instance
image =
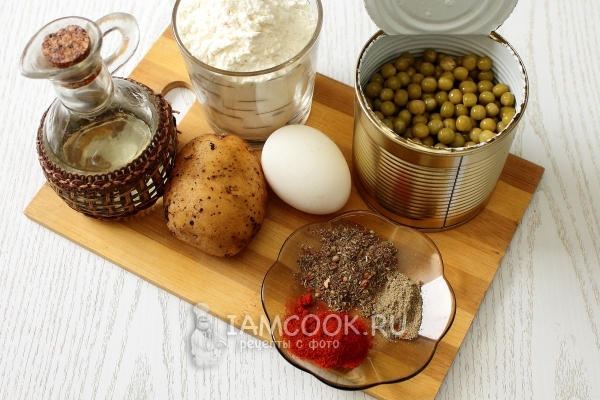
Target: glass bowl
{"type": "Point", "coordinates": [387, 362]}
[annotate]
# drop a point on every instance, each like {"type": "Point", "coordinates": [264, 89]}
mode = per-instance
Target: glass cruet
{"type": "Point", "coordinates": [98, 123]}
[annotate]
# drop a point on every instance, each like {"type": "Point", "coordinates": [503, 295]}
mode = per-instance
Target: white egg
{"type": "Point", "coordinates": [306, 169]}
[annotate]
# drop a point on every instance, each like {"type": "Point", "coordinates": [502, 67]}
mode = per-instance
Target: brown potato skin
{"type": "Point", "coordinates": [216, 197]}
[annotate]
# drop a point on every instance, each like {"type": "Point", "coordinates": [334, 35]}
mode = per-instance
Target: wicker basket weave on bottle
{"type": "Point", "coordinates": [123, 192]}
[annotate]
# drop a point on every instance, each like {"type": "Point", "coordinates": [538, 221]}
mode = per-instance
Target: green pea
{"type": "Point", "coordinates": [414, 91]}
{"type": "Point", "coordinates": [416, 107]}
{"type": "Point", "coordinates": [461, 110]}
{"type": "Point", "coordinates": [485, 86]}
{"type": "Point", "coordinates": [469, 99]}
{"type": "Point", "coordinates": [441, 97]}
{"type": "Point", "coordinates": [377, 104]}
{"type": "Point", "coordinates": [484, 63]}
{"type": "Point", "coordinates": [405, 116]}
{"type": "Point", "coordinates": [468, 87]}
{"type": "Point", "coordinates": [377, 78]}
{"type": "Point", "coordinates": [419, 119]}
{"type": "Point", "coordinates": [485, 136]}
{"type": "Point", "coordinates": [455, 96]}
{"type": "Point", "coordinates": [486, 98]}
{"type": "Point", "coordinates": [399, 126]}
{"type": "Point", "coordinates": [461, 73]}
{"type": "Point", "coordinates": [474, 134]}
{"type": "Point", "coordinates": [430, 55]}
{"type": "Point", "coordinates": [438, 72]}
{"type": "Point", "coordinates": [388, 108]}
{"type": "Point", "coordinates": [448, 64]}
{"type": "Point", "coordinates": [507, 99]}
{"type": "Point", "coordinates": [420, 131]}
{"type": "Point", "coordinates": [373, 89]}
{"type": "Point", "coordinates": [459, 140]}
{"type": "Point", "coordinates": [388, 70]}
{"type": "Point", "coordinates": [492, 110]}
{"type": "Point", "coordinates": [508, 117]}
{"type": "Point", "coordinates": [402, 64]}
{"type": "Point", "coordinates": [500, 126]}
{"type": "Point", "coordinates": [401, 97]}
{"type": "Point", "coordinates": [500, 89]}
{"type": "Point", "coordinates": [447, 109]}
{"type": "Point", "coordinates": [393, 82]}
{"type": "Point", "coordinates": [450, 123]}
{"type": "Point", "coordinates": [386, 94]}
{"type": "Point", "coordinates": [428, 141]}
{"type": "Point", "coordinates": [478, 112]}
{"type": "Point", "coordinates": [427, 69]}
{"type": "Point", "coordinates": [463, 123]}
{"type": "Point", "coordinates": [446, 136]}
{"type": "Point", "coordinates": [488, 124]}
{"type": "Point", "coordinates": [404, 79]}
{"type": "Point", "coordinates": [486, 75]}
{"type": "Point", "coordinates": [430, 104]}
{"type": "Point", "coordinates": [445, 83]}
{"type": "Point", "coordinates": [387, 122]}
{"type": "Point", "coordinates": [417, 78]}
{"type": "Point", "coordinates": [449, 75]}
{"type": "Point", "coordinates": [470, 62]}
{"type": "Point", "coordinates": [435, 126]}
{"type": "Point", "coordinates": [429, 84]}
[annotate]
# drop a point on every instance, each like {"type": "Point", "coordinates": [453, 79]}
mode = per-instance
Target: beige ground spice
{"type": "Point", "coordinates": [399, 307]}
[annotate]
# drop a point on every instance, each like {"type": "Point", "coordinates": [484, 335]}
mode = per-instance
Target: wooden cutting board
{"type": "Point", "coordinates": [143, 245]}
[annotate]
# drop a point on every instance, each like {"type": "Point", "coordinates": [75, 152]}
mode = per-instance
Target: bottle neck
{"type": "Point", "coordinates": [88, 94]}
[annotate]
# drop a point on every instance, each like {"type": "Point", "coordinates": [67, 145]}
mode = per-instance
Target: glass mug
{"type": "Point", "coordinates": [253, 105]}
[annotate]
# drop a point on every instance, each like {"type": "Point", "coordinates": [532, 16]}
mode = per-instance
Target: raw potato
{"type": "Point", "coordinates": [216, 199]}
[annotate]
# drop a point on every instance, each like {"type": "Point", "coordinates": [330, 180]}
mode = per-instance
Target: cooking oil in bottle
{"type": "Point", "coordinates": [99, 123]}
{"type": "Point", "coordinates": [107, 144]}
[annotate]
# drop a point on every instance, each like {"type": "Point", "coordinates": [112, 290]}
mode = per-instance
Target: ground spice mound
{"type": "Point", "coordinates": [349, 268]}
{"type": "Point", "coordinates": [330, 339]}
{"type": "Point", "coordinates": [401, 304]}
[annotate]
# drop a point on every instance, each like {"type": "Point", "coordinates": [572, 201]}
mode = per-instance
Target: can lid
{"type": "Point", "coordinates": [457, 17]}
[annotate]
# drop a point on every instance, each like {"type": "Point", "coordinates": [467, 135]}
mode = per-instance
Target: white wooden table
{"type": "Point", "coordinates": [73, 325]}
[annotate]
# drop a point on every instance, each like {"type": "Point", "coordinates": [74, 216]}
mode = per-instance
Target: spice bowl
{"type": "Point", "coordinates": [387, 361]}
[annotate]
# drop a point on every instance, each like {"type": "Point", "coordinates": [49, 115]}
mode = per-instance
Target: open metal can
{"type": "Point", "coordinates": [416, 185]}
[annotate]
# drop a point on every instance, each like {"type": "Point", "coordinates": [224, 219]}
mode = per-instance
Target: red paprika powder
{"type": "Point", "coordinates": [329, 339]}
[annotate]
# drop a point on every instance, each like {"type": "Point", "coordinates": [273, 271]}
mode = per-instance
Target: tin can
{"type": "Point", "coordinates": [416, 185]}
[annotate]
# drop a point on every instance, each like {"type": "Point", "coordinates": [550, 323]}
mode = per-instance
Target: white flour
{"type": "Point", "coordinates": [245, 35]}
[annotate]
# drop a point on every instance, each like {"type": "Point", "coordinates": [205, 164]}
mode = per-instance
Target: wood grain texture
{"type": "Point", "coordinates": [73, 325]}
{"type": "Point", "coordinates": [143, 245]}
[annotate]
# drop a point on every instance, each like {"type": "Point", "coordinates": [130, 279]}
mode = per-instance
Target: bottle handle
{"type": "Point", "coordinates": [127, 26]}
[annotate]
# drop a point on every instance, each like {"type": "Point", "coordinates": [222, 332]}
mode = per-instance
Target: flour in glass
{"type": "Point", "coordinates": [245, 35]}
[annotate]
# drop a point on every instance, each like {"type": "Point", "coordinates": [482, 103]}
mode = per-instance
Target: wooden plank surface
{"type": "Point", "coordinates": [143, 245]}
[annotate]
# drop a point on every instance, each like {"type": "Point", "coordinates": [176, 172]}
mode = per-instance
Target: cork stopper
{"type": "Point", "coordinates": [66, 47]}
